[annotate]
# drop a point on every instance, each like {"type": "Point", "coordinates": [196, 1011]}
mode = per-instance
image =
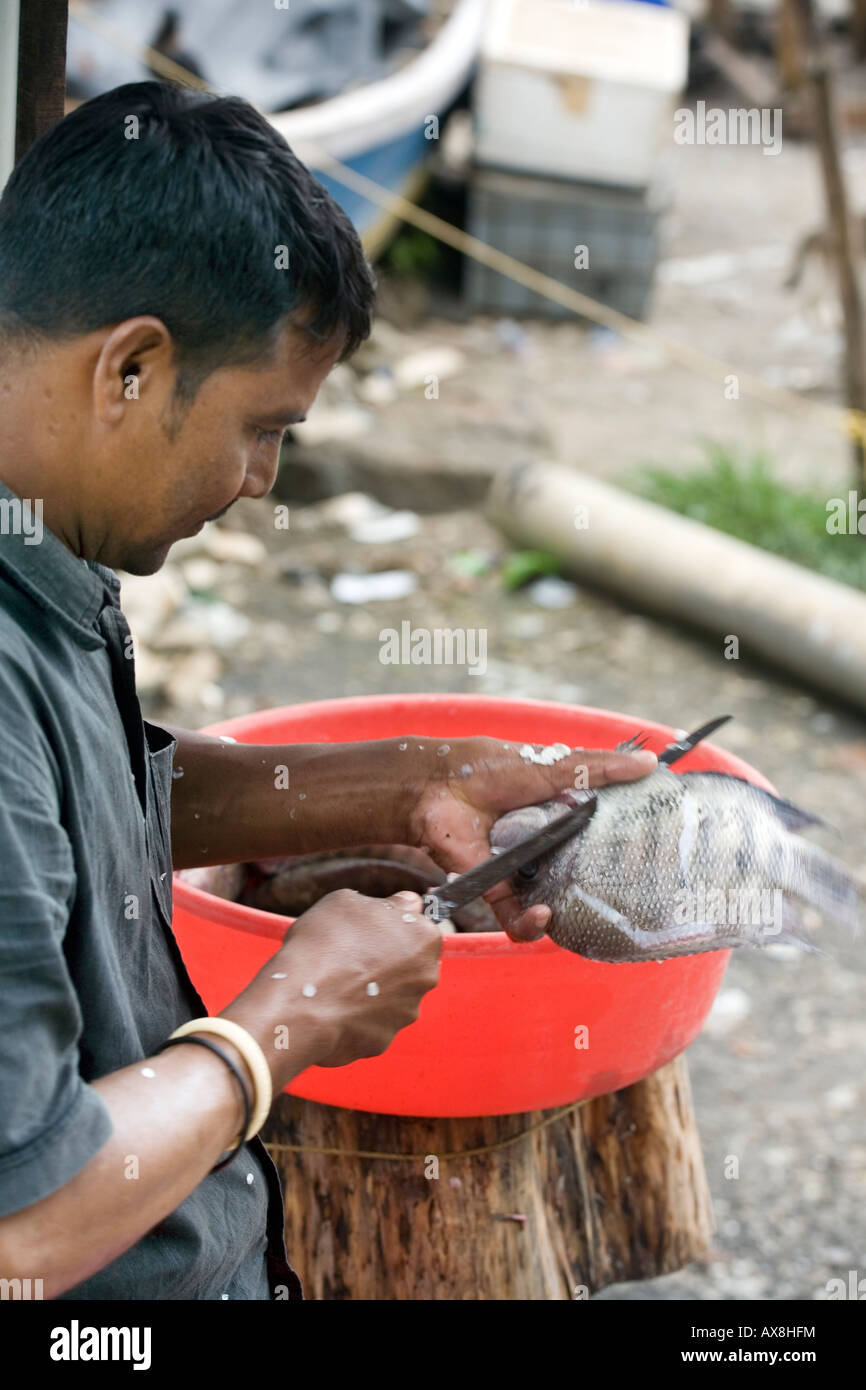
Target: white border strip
{"type": "Point", "coordinates": [9, 17]}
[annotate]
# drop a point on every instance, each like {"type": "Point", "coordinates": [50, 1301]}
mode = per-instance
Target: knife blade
{"type": "Point", "coordinates": [448, 897]}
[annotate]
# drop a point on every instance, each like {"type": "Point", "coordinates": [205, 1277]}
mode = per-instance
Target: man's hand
{"type": "Point", "coordinates": [350, 974]}
{"type": "Point", "coordinates": [482, 778]}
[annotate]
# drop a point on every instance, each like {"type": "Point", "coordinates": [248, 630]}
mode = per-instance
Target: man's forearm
{"type": "Point", "coordinates": [235, 801]}
{"type": "Point", "coordinates": [174, 1114]}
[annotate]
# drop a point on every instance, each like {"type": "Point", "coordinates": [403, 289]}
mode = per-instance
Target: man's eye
{"type": "Point", "coordinates": [269, 436]}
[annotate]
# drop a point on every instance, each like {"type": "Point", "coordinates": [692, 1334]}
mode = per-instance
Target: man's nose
{"type": "Point", "coordinates": [261, 475]}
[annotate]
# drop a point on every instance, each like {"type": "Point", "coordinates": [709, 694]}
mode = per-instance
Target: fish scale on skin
{"type": "Point", "coordinates": [621, 888]}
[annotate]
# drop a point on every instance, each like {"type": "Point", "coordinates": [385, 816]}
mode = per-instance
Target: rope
{"type": "Point", "coordinates": [847, 421]}
{"type": "Point", "coordinates": [416, 1158]}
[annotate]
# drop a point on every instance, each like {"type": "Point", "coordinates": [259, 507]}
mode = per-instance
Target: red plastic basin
{"type": "Point", "coordinates": [498, 1034]}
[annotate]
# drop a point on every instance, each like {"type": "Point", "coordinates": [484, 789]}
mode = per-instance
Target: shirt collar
{"type": "Point", "coordinates": [74, 591]}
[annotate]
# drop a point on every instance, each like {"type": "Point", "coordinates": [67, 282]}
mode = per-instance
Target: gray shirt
{"type": "Point", "coordinates": [91, 978]}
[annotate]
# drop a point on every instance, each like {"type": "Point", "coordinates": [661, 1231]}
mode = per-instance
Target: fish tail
{"type": "Point", "coordinates": [792, 932]}
{"type": "Point", "coordinates": [822, 881]}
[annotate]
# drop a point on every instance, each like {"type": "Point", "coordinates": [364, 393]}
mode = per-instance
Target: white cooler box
{"type": "Point", "coordinates": [579, 90]}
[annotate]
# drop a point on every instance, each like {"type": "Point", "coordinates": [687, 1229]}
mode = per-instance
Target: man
{"type": "Point", "coordinates": [174, 288]}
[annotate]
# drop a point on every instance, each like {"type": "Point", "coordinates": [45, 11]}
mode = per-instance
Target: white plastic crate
{"type": "Point", "coordinates": [579, 90]}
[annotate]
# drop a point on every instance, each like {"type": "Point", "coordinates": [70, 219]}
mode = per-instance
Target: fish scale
{"type": "Point", "coordinates": [677, 864]}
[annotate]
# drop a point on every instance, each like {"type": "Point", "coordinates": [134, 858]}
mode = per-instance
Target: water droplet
{"type": "Point", "coordinates": [224, 1296]}
{"type": "Point", "coordinates": [309, 991]}
{"type": "Point", "coordinates": [302, 796]}
{"type": "Point", "coordinates": [250, 1179]}
{"type": "Point", "coordinates": [466, 770]}
{"type": "Point", "coordinates": [403, 747]}
{"type": "Point", "coordinates": [227, 738]}
{"type": "Point", "coordinates": [177, 772]}
{"type": "Point", "coordinates": [196, 815]}
{"type": "Point", "coordinates": [409, 917]}
{"type": "Point", "coordinates": [445, 748]}
{"type": "Point", "coordinates": [279, 975]}
{"type": "Point", "coordinates": [372, 989]}
{"type": "Point", "coordinates": [292, 814]}
{"type": "Point", "coordinates": [148, 1071]}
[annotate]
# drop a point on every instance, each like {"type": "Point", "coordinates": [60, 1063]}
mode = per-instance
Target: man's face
{"type": "Point", "coordinates": [168, 480]}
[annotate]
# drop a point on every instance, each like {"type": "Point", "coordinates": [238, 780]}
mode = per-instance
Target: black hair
{"type": "Point", "coordinates": [156, 199]}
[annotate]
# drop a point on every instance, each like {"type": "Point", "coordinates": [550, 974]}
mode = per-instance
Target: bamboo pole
{"type": "Point", "coordinates": [670, 564]}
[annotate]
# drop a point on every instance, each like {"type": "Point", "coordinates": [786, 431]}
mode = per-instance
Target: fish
{"type": "Point", "coordinates": [221, 880]}
{"type": "Point", "coordinates": [675, 864]}
{"type": "Point", "coordinates": [291, 884]}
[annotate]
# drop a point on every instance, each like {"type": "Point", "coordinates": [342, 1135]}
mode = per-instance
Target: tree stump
{"type": "Point", "coordinates": [556, 1205]}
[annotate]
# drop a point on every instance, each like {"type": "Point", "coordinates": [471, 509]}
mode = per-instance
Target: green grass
{"type": "Point", "coordinates": [745, 500]}
{"type": "Point", "coordinates": [522, 566]}
{"type": "Point", "coordinates": [412, 252]}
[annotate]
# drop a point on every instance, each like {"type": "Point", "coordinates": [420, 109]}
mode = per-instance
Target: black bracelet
{"type": "Point", "coordinates": [248, 1108]}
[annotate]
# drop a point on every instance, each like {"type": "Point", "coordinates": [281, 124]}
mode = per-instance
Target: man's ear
{"type": "Point", "coordinates": [136, 358]}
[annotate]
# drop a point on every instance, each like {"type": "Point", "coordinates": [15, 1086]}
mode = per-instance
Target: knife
{"type": "Point", "coordinates": [448, 897]}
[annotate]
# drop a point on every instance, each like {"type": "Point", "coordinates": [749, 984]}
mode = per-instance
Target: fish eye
{"type": "Point", "coordinates": [529, 870]}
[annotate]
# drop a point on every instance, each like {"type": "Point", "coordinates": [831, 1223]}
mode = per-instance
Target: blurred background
{"type": "Point", "coordinates": [693, 179]}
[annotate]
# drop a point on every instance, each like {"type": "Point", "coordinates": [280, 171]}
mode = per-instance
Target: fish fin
{"type": "Point", "coordinates": [823, 882]}
{"type": "Point", "coordinates": [793, 932]}
{"type": "Point", "coordinates": [631, 745]}
{"type": "Point", "coordinates": [681, 939]}
{"type": "Point", "coordinates": [793, 817]}
{"type": "Point", "coordinates": [674, 751]}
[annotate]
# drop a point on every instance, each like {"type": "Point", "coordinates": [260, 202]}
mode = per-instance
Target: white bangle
{"type": "Point", "coordinates": [263, 1091]}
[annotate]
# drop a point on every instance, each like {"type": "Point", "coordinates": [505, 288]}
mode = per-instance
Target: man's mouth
{"type": "Point", "coordinates": [213, 517]}
{"type": "Point", "coordinates": [222, 511]}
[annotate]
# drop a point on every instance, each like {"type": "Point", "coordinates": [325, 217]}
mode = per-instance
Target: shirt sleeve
{"type": "Point", "coordinates": [51, 1122]}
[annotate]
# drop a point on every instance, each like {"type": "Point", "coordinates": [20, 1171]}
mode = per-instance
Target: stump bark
{"type": "Point", "coordinates": [557, 1205]}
